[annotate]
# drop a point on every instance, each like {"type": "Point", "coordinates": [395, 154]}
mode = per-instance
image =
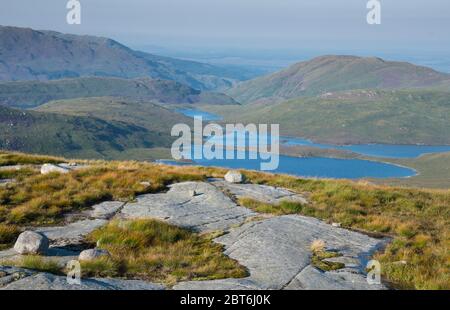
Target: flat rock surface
{"type": "Point", "coordinates": [276, 250]}
{"type": "Point", "coordinates": [105, 210]}
{"type": "Point", "coordinates": [22, 279]}
{"type": "Point", "coordinates": [263, 193]}
{"type": "Point", "coordinates": [72, 234]}
{"type": "Point", "coordinates": [209, 210]}
{"type": "Point", "coordinates": [277, 255]}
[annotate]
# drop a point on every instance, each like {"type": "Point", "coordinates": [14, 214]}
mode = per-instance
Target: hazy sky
{"type": "Point", "coordinates": [285, 24]}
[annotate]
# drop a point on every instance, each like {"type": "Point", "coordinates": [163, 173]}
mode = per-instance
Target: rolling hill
{"type": "Point", "coordinates": [27, 54]}
{"type": "Point", "coordinates": [73, 136]}
{"type": "Point", "coordinates": [153, 117]}
{"type": "Point", "coordinates": [30, 94]}
{"type": "Point", "coordinates": [336, 73]}
{"type": "Point", "coordinates": [354, 117]}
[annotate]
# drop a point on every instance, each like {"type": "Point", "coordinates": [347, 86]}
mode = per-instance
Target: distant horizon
{"type": "Point", "coordinates": [271, 59]}
{"type": "Point", "coordinates": [410, 30]}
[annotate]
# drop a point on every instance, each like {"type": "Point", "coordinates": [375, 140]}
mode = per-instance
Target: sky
{"type": "Point", "coordinates": [409, 26]}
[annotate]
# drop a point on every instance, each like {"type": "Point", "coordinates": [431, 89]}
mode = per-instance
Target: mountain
{"type": "Point", "coordinates": [75, 136]}
{"type": "Point", "coordinates": [357, 116]}
{"type": "Point", "coordinates": [30, 94]}
{"type": "Point", "coordinates": [335, 73]}
{"type": "Point", "coordinates": [27, 54]}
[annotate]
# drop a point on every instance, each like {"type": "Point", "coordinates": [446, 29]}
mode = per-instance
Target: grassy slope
{"type": "Point", "coordinates": [418, 220]}
{"type": "Point", "coordinates": [145, 114]}
{"type": "Point", "coordinates": [365, 116]}
{"type": "Point", "coordinates": [434, 171]}
{"type": "Point", "coordinates": [336, 73]}
{"type": "Point", "coordinates": [30, 94]}
{"type": "Point", "coordinates": [75, 136]}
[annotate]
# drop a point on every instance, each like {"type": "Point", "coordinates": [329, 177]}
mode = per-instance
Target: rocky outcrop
{"type": "Point", "coordinates": [263, 193]}
{"type": "Point", "coordinates": [277, 254]}
{"type": "Point", "coordinates": [91, 254]}
{"type": "Point", "coordinates": [50, 168]}
{"type": "Point", "coordinates": [30, 242]}
{"type": "Point", "coordinates": [208, 210]}
{"type": "Point", "coordinates": [105, 210]}
{"type": "Point", "coordinates": [22, 279]}
{"type": "Point", "coordinates": [275, 249]}
{"type": "Point", "coordinates": [72, 234]}
{"type": "Point", "coordinates": [234, 177]}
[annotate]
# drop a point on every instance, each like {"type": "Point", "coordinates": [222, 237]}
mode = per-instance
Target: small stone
{"type": "Point", "coordinates": [233, 176]}
{"type": "Point", "coordinates": [30, 242]}
{"type": "Point", "coordinates": [73, 164]}
{"type": "Point", "coordinates": [146, 184]}
{"type": "Point", "coordinates": [336, 224]}
{"type": "Point", "coordinates": [88, 255]}
{"type": "Point", "coordinates": [49, 168]}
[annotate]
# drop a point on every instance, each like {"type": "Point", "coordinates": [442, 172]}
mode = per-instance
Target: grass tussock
{"type": "Point", "coordinates": [35, 262]}
{"type": "Point", "coordinates": [8, 235]}
{"type": "Point", "coordinates": [284, 208]}
{"type": "Point", "coordinates": [156, 251]}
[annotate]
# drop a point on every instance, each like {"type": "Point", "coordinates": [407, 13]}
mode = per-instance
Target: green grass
{"type": "Point", "coordinates": [38, 263]}
{"type": "Point", "coordinates": [365, 116]}
{"type": "Point", "coordinates": [318, 260]}
{"type": "Point", "coordinates": [285, 207]}
{"type": "Point", "coordinates": [156, 251]}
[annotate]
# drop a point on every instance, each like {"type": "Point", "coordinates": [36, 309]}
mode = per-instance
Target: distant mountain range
{"type": "Point", "coordinates": [30, 94]}
{"type": "Point", "coordinates": [91, 97]}
{"type": "Point", "coordinates": [336, 73]}
{"type": "Point", "coordinates": [27, 54]}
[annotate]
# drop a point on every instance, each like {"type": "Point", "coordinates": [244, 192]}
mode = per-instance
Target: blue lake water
{"type": "Point", "coordinates": [205, 115]}
{"type": "Point", "coordinates": [378, 150]}
{"type": "Point", "coordinates": [325, 167]}
{"type": "Point", "coordinates": [315, 167]}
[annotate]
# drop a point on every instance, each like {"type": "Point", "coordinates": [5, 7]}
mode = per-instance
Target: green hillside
{"type": "Point", "coordinates": [336, 73]}
{"type": "Point", "coordinates": [144, 114]}
{"type": "Point", "coordinates": [73, 136]}
{"type": "Point", "coordinates": [364, 116]}
{"type": "Point", "coordinates": [29, 94]}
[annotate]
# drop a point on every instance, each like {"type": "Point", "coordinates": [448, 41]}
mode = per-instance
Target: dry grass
{"type": "Point", "coordinates": [8, 234]}
{"type": "Point", "coordinates": [317, 246]}
{"type": "Point", "coordinates": [44, 199]}
{"type": "Point", "coordinates": [35, 262]}
{"type": "Point", "coordinates": [418, 220]}
{"type": "Point", "coordinates": [156, 251]}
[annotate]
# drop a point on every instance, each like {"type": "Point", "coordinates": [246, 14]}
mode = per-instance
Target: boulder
{"type": "Point", "coordinates": [49, 168]}
{"type": "Point", "coordinates": [233, 176]}
{"type": "Point", "coordinates": [91, 254]}
{"type": "Point", "coordinates": [30, 242]}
